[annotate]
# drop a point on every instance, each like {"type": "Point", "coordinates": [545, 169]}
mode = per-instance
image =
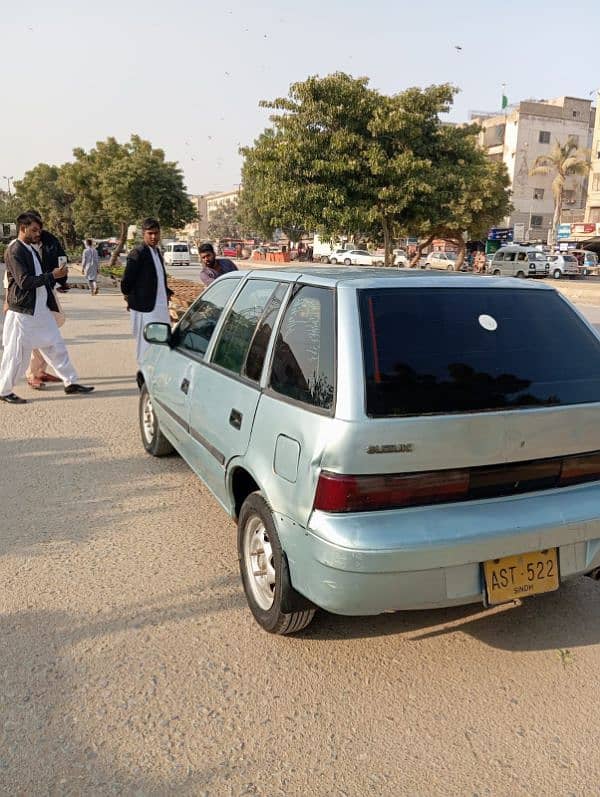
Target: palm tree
{"type": "Point", "coordinates": [564, 160]}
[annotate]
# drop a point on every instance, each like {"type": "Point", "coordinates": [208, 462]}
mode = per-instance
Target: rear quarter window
{"type": "Point", "coordinates": [446, 350]}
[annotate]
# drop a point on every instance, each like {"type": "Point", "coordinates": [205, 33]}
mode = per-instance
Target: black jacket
{"type": "Point", "coordinates": [52, 249]}
{"type": "Point", "coordinates": [139, 284]}
{"type": "Point", "coordinates": [23, 282]}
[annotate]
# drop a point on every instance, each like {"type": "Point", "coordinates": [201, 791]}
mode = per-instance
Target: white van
{"type": "Point", "coordinates": [177, 253]}
{"type": "Point", "coordinates": [519, 261]}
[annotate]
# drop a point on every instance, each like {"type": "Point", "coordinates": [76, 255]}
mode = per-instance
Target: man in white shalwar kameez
{"type": "Point", "coordinates": [29, 323]}
{"type": "Point", "coordinates": [144, 286]}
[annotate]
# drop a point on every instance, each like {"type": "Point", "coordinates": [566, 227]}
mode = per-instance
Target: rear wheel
{"type": "Point", "coordinates": [450, 267]}
{"type": "Point", "coordinates": [496, 272]}
{"type": "Point", "coordinates": [521, 275]}
{"type": "Point", "coordinates": [153, 439]}
{"type": "Point", "coordinates": [261, 567]}
{"type": "Point", "coordinates": [347, 262]}
{"type": "Point", "coordinates": [557, 273]}
{"type": "Point", "coordinates": [333, 260]}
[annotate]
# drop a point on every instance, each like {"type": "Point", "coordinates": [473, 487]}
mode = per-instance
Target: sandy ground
{"type": "Point", "coordinates": [129, 663]}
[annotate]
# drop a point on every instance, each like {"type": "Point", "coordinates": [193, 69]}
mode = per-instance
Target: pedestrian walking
{"type": "Point", "coordinates": [213, 266]}
{"type": "Point", "coordinates": [144, 285]}
{"type": "Point", "coordinates": [89, 265]}
{"type": "Point", "coordinates": [29, 321]}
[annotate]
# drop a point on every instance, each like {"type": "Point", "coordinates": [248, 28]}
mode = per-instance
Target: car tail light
{"type": "Point", "coordinates": [576, 470]}
{"type": "Point", "coordinates": [363, 493]}
{"type": "Point", "coordinates": [339, 493]}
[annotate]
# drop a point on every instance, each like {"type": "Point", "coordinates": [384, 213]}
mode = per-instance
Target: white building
{"type": "Point", "coordinates": [517, 137]}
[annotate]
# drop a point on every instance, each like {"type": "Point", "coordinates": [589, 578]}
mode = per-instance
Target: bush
{"type": "Point", "coordinates": [115, 271]}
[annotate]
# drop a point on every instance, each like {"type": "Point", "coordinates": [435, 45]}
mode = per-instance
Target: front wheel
{"type": "Point", "coordinates": [262, 570]}
{"type": "Point", "coordinates": [153, 439]}
{"type": "Point", "coordinates": [557, 274]}
{"type": "Point", "coordinates": [449, 267]}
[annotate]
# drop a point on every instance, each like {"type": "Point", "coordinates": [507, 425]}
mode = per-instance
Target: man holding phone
{"type": "Point", "coordinates": [29, 322]}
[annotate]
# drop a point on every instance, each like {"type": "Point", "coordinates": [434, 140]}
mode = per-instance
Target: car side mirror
{"type": "Point", "coordinates": [157, 333]}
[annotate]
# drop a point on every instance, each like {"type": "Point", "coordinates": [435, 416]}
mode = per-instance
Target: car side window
{"type": "Point", "coordinates": [258, 347]}
{"type": "Point", "coordinates": [521, 256]}
{"type": "Point", "coordinates": [510, 256]}
{"type": "Point", "coordinates": [303, 365]}
{"type": "Point", "coordinates": [498, 257]}
{"type": "Point", "coordinates": [197, 326]}
{"type": "Point", "coordinates": [241, 323]}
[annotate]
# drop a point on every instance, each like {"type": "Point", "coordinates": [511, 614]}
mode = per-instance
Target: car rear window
{"type": "Point", "coordinates": [444, 350]}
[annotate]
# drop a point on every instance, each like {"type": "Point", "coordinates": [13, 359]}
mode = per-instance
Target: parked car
{"type": "Point", "coordinates": [563, 265]}
{"type": "Point", "coordinates": [357, 257]}
{"type": "Point", "coordinates": [177, 253]}
{"type": "Point", "coordinates": [370, 470]}
{"type": "Point", "coordinates": [446, 261]}
{"type": "Point", "coordinates": [400, 257]}
{"type": "Point", "coordinates": [515, 260]}
{"type": "Point", "coordinates": [335, 257]}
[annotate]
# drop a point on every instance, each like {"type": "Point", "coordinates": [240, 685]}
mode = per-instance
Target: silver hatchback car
{"type": "Point", "coordinates": [385, 439]}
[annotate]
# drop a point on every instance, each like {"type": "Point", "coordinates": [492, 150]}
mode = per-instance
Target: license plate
{"type": "Point", "coordinates": [521, 576]}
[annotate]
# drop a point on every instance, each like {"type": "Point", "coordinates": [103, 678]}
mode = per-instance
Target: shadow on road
{"type": "Point", "coordinates": [61, 490]}
{"type": "Point", "coordinates": [64, 717]}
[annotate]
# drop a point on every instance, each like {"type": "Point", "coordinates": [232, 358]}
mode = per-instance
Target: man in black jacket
{"type": "Point", "coordinates": [29, 322]}
{"type": "Point", "coordinates": [144, 285]}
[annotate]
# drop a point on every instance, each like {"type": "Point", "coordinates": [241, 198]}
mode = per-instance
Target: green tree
{"type": "Point", "coordinates": [115, 185]}
{"type": "Point", "coordinates": [308, 170]}
{"type": "Point", "coordinates": [43, 189]}
{"type": "Point", "coordinates": [10, 207]}
{"type": "Point", "coordinates": [224, 222]}
{"type": "Point", "coordinates": [470, 195]}
{"type": "Point", "coordinates": [564, 160]}
{"type": "Point", "coordinates": [342, 158]}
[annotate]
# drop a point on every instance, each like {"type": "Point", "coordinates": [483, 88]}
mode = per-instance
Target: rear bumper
{"type": "Point", "coordinates": [428, 557]}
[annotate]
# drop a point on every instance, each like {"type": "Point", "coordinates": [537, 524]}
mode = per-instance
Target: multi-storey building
{"type": "Point", "coordinates": [518, 137]}
{"type": "Point", "coordinates": [206, 204]}
{"type": "Point", "coordinates": [592, 208]}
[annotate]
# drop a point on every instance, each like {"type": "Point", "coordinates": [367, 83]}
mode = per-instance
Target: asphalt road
{"type": "Point", "coordinates": [129, 663]}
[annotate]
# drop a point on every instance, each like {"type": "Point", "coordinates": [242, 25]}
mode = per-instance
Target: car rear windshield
{"type": "Point", "coordinates": [444, 350]}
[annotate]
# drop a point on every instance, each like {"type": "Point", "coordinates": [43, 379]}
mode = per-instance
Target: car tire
{"type": "Point", "coordinates": [333, 261]}
{"type": "Point", "coordinates": [520, 275]}
{"type": "Point", "coordinates": [557, 274]}
{"type": "Point", "coordinates": [496, 272]}
{"type": "Point", "coordinates": [261, 561]}
{"type": "Point", "coordinates": [347, 262]}
{"type": "Point", "coordinates": [153, 439]}
{"type": "Point", "coordinates": [449, 267]}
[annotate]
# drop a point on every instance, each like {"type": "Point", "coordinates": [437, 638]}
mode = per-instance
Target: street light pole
{"type": "Point", "coordinates": [8, 179]}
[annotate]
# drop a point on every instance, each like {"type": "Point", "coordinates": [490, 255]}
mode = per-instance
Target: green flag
{"type": "Point", "coordinates": [504, 101]}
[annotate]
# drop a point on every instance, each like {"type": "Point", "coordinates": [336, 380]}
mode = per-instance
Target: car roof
{"type": "Point", "coordinates": [369, 277]}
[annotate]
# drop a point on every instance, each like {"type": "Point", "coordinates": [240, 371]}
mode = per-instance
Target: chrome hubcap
{"type": "Point", "coordinates": [148, 420]}
{"type": "Point", "coordinates": [259, 563]}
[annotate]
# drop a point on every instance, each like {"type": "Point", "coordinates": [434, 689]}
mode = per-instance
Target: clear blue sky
{"type": "Point", "coordinates": [189, 75]}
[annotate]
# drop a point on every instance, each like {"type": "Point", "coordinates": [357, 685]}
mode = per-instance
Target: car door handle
{"type": "Point", "coordinates": [185, 386]}
{"type": "Point", "coordinates": [235, 419]}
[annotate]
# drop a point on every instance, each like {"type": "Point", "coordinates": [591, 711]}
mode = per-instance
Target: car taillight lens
{"type": "Point", "coordinates": [576, 470]}
{"type": "Point", "coordinates": [340, 493]}
{"type": "Point", "coordinates": [351, 493]}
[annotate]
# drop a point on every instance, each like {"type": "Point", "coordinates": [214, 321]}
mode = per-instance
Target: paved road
{"type": "Point", "coordinates": [130, 665]}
